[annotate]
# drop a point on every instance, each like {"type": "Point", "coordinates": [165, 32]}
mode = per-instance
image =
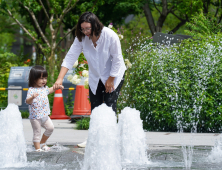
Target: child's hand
{"type": "Point", "coordinates": [35, 95]}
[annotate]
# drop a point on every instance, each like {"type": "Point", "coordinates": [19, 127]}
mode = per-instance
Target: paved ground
{"type": "Point", "coordinates": [66, 134]}
{"type": "Point", "coordinates": [164, 150]}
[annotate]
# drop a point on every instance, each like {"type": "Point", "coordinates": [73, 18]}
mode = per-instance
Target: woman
{"type": "Point", "coordinates": [102, 49]}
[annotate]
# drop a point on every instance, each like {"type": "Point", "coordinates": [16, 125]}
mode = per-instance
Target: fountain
{"type": "Point", "coordinates": [216, 152]}
{"type": "Point", "coordinates": [132, 137]}
{"type": "Point", "coordinates": [110, 144]}
{"type": "Point", "coordinates": [102, 149]}
{"type": "Point", "coordinates": [12, 141]}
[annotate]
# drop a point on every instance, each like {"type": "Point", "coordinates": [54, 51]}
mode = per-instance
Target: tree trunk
{"type": "Point", "coordinates": [206, 5]}
{"type": "Point", "coordinates": [149, 18]}
{"type": "Point", "coordinates": [162, 17]}
{"type": "Point", "coordinates": [39, 56]}
{"type": "Point", "coordinates": [177, 27]}
{"type": "Point", "coordinates": [63, 46]}
{"type": "Point", "coordinates": [51, 65]}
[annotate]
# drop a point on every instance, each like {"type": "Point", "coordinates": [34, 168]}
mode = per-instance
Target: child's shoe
{"type": "Point", "coordinates": [44, 147]}
{"type": "Point", "coordinates": [39, 150]}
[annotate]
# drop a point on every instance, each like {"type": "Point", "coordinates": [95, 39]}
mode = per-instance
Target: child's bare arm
{"type": "Point", "coordinates": [30, 99]}
{"type": "Point", "coordinates": [51, 90]}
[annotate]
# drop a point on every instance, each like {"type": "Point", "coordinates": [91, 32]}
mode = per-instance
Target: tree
{"type": "Point", "coordinates": [54, 14]}
{"type": "Point", "coordinates": [217, 5]}
{"type": "Point", "coordinates": [182, 10]}
{"type": "Point", "coordinates": [54, 20]}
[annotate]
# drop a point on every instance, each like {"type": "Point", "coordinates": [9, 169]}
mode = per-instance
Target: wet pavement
{"type": "Point", "coordinates": [162, 158]}
{"type": "Point", "coordinates": [164, 150]}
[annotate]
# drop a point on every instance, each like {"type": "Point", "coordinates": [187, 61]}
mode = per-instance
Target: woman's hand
{"type": "Point", "coordinates": [59, 81]}
{"type": "Point", "coordinates": [110, 85]}
{"type": "Point", "coordinates": [61, 87]}
{"type": "Point", "coordinates": [57, 84]}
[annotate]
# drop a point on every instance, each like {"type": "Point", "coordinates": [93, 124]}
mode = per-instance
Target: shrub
{"type": "Point", "coordinates": [83, 124]}
{"type": "Point", "coordinates": [24, 114]}
{"type": "Point", "coordinates": [7, 61]}
{"type": "Point", "coordinates": [203, 25]}
{"type": "Point", "coordinates": [177, 87]}
{"type": "Point", "coordinates": [69, 104]}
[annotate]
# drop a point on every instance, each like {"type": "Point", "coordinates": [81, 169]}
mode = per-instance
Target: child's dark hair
{"type": "Point", "coordinates": [35, 73]}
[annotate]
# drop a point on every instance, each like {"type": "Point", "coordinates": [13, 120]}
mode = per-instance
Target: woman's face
{"type": "Point", "coordinates": [86, 28]}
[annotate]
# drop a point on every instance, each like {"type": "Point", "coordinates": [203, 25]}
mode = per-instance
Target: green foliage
{"type": "Point", "coordinates": [201, 25]}
{"type": "Point", "coordinates": [8, 60]}
{"type": "Point", "coordinates": [69, 104]}
{"type": "Point", "coordinates": [6, 42]}
{"type": "Point", "coordinates": [187, 7]}
{"type": "Point", "coordinates": [83, 123]}
{"type": "Point", "coordinates": [177, 87]}
{"type": "Point", "coordinates": [82, 64]}
{"type": "Point", "coordinates": [24, 114]}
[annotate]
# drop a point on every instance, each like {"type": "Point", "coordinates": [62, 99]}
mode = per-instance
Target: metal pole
{"type": "Point", "coordinates": [26, 89]}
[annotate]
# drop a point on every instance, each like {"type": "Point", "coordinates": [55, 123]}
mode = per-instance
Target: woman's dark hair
{"type": "Point", "coordinates": [96, 25]}
{"type": "Point", "coordinates": [35, 73]}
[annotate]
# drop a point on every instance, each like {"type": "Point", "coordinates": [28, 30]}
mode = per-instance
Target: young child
{"type": "Point", "coordinates": [37, 98]}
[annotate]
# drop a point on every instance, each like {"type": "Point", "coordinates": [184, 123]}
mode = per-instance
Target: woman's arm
{"type": "Point", "coordinates": [116, 53]}
{"type": "Point", "coordinates": [68, 62]}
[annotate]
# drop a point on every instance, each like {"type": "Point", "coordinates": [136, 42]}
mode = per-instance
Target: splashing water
{"type": "Point", "coordinates": [102, 148]}
{"type": "Point", "coordinates": [216, 152]}
{"type": "Point", "coordinates": [55, 148]}
{"type": "Point", "coordinates": [132, 137]}
{"type": "Point", "coordinates": [58, 148]}
{"type": "Point", "coordinates": [12, 141]}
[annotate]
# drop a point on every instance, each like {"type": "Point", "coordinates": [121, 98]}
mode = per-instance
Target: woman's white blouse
{"type": "Point", "coordinates": [105, 60]}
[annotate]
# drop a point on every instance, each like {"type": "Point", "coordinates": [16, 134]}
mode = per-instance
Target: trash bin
{"type": "Point", "coordinates": [18, 78]}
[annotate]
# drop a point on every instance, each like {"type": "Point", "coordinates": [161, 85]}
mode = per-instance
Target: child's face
{"type": "Point", "coordinates": [41, 82]}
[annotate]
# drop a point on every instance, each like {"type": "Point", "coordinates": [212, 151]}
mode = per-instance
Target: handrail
{"type": "Point", "coordinates": [26, 89]}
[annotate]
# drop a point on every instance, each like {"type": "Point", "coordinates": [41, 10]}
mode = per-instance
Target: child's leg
{"type": "Point", "coordinates": [36, 126]}
{"type": "Point", "coordinates": [48, 125]}
{"type": "Point", "coordinates": [44, 139]}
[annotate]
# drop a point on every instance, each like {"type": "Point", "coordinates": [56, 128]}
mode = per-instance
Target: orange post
{"type": "Point", "coordinates": [82, 105]}
{"type": "Point", "coordinates": [58, 110]}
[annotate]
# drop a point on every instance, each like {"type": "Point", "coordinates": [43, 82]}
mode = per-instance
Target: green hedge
{"type": "Point", "coordinates": [7, 61]}
{"type": "Point", "coordinates": [177, 87]}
